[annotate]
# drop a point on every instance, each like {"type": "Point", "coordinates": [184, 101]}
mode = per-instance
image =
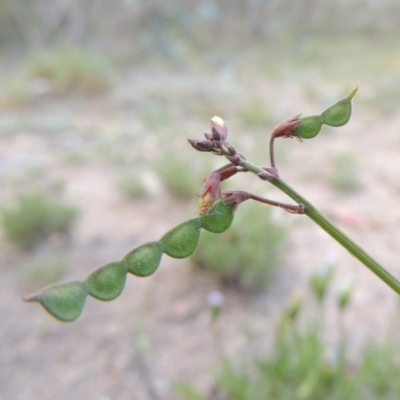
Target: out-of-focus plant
{"type": "Point", "coordinates": [71, 69]}
{"type": "Point", "coordinates": [301, 366]}
{"type": "Point", "coordinates": [34, 217]}
{"type": "Point", "coordinates": [216, 212]}
{"type": "Point", "coordinates": [344, 176]}
{"type": "Point", "coordinates": [246, 267]}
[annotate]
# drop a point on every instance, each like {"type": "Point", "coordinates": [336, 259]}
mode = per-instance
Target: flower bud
{"type": "Point", "coordinates": [181, 241]}
{"type": "Point", "coordinates": [202, 145]}
{"type": "Point", "coordinates": [235, 160]}
{"type": "Point", "coordinates": [145, 259]}
{"type": "Point", "coordinates": [339, 113]}
{"type": "Point", "coordinates": [219, 129]}
{"type": "Point", "coordinates": [308, 127]}
{"type": "Point", "coordinates": [107, 282]}
{"type": "Point", "coordinates": [227, 172]}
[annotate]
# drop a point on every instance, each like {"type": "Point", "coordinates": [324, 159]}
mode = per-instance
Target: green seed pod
{"type": "Point", "coordinates": [339, 113]}
{"type": "Point", "coordinates": [64, 301]}
{"type": "Point", "coordinates": [309, 126]}
{"type": "Point", "coordinates": [181, 241]}
{"type": "Point", "coordinates": [107, 282]}
{"type": "Point", "coordinates": [145, 259]}
{"type": "Point", "coordinates": [219, 219]}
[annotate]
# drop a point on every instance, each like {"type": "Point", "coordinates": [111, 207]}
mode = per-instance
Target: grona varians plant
{"type": "Point", "coordinates": [217, 208]}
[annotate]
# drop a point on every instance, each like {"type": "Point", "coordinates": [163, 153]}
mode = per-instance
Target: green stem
{"type": "Point", "coordinates": [331, 229]}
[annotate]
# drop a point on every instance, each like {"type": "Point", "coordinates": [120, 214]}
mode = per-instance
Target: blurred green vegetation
{"type": "Point", "coordinates": [301, 365]}
{"type": "Point", "coordinates": [159, 24]}
{"type": "Point", "coordinates": [180, 173]}
{"type": "Point", "coordinates": [46, 269]}
{"type": "Point", "coordinates": [344, 174]}
{"type": "Point", "coordinates": [133, 186]}
{"type": "Point", "coordinates": [259, 243]}
{"type": "Point", "coordinates": [71, 69]}
{"type": "Point", "coordinates": [34, 217]}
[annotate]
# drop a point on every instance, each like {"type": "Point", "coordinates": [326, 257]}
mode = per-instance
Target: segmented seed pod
{"type": "Point", "coordinates": [107, 282]}
{"type": "Point", "coordinates": [181, 241]}
{"type": "Point", "coordinates": [145, 259]}
{"type": "Point", "coordinates": [339, 113]}
{"type": "Point", "coordinates": [219, 218]}
{"type": "Point", "coordinates": [65, 301]}
{"type": "Point", "coordinates": [309, 126]}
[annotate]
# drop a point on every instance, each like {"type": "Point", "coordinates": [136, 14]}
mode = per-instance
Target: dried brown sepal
{"type": "Point", "coordinates": [285, 128]}
{"type": "Point", "coordinates": [210, 192]}
{"type": "Point", "coordinates": [235, 196]}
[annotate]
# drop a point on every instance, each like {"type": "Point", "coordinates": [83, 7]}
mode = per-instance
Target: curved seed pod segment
{"type": "Point", "coordinates": [181, 241]}
{"type": "Point", "coordinates": [145, 259]}
{"type": "Point", "coordinates": [339, 113]}
{"type": "Point", "coordinates": [219, 219]}
{"type": "Point", "coordinates": [308, 127]}
{"type": "Point", "coordinates": [107, 282]}
{"type": "Point", "coordinates": [65, 301]}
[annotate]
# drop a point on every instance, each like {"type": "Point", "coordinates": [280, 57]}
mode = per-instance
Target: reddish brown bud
{"type": "Point", "coordinates": [230, 148]}
{"type": "Point", "coordinates": [227, 173]}
{"type": "Point", "coordinates": [202, 145]}
{"type": "Point", "coordinates": [208, 136]}
{"type": "Point", "coordinates": [219, 129]}
{"type": "Point", "coordinates": [210, 191]}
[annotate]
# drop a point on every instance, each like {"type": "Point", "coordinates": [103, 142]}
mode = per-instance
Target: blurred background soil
{"type": "Point", "coordinates": [97, 100]}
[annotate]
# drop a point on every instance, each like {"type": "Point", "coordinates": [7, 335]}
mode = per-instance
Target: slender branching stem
{"type": "Point", "coordinates": [240, 164]}
{"type": "Point", "coordinates": [271, 151]}
{"type": "Point", "coordinates": [292, 208]}
{"type": "Point", "coordinates": [330, 228]}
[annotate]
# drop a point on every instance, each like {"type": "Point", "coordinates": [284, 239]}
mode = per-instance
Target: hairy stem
{"type": "Point", "coordinates": [331, 229]}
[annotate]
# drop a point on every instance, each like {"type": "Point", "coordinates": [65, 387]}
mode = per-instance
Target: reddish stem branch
{"type": "Point", "coordinates": [292, 208]}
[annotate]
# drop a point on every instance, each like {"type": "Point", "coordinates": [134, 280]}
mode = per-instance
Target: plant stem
{"type": "Point", "coordinates": [331, 229]}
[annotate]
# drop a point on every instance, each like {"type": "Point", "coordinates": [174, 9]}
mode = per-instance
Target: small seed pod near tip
{"type": "Point", "coordinates": [339, 113]}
